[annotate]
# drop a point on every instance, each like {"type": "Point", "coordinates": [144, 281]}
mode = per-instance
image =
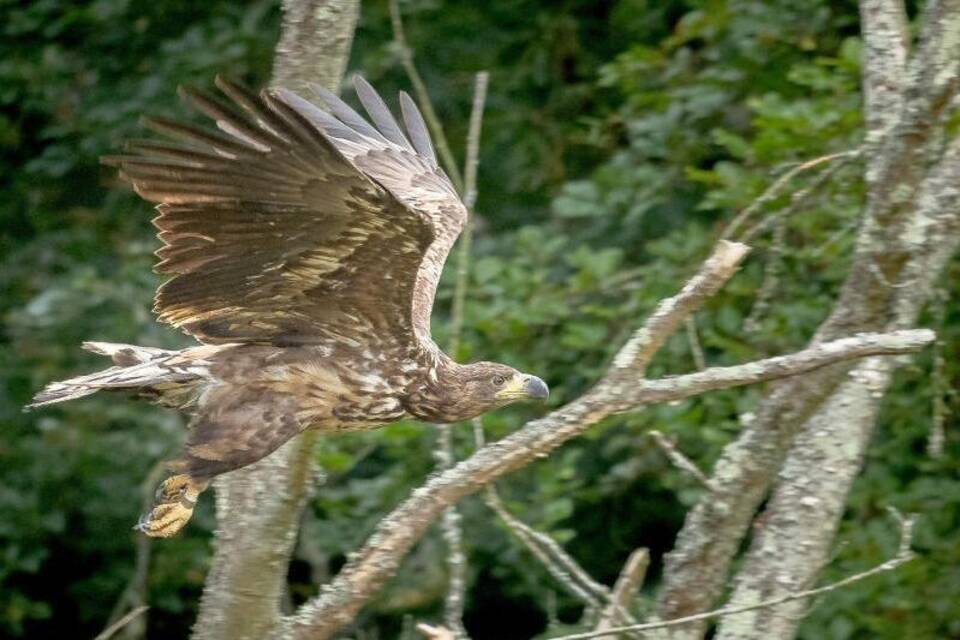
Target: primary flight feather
{"type": "Point", "coordinates": [304, 247]}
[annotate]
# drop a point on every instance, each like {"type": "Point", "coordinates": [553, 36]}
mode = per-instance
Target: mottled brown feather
{"type": "Point", "coordinates": [294, 228]}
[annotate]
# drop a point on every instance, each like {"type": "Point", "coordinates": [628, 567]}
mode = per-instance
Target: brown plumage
{"type": "Point", "coordinates": [304, 248]}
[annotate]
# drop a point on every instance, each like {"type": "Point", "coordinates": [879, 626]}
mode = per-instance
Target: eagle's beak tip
{"type": "Point", "coordinates": [536, 388]}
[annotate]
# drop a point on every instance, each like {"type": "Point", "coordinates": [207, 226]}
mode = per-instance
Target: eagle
{"type": "Point", "coordinates": [303, 247]}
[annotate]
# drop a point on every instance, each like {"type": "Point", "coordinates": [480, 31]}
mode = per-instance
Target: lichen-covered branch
{"type": "Point", "coordinates": [903, 555]}
{"type": "Point", "coordinates": [624, 591]}
{"type": "Point", "coordinates": [679, 460]}
{"type": "Point", "coordinates": [828, 453]}
{"type": "Point", "coordinates": [259, 507]}
{"type": "Point", "coordinates": [623, 389]}
{"type": "Point", "coordinates": [907, 235]}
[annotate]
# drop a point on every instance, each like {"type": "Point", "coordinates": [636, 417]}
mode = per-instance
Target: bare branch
{"type": "Point", "coordinates": [620, 391]}
{"type": "Point", "coordinates": [903, 555]}
{"type": "Point", "coordinates": [693, 339]}
{"type": "Point", "coordinates": [469, 198]}
{"type": "Point", "coordinates": [634, 357]}
{"type": "Point", "coordinates": [134, 594]}
{"type": "Point", "coordinates": [551, 555]}
{"type": "Point", "coordinates": [423, 97]}
{"type": "Point", "coordinates": [480, 84]}
{"type": "Point", "coordinates": [109, 632]}
{"type": "Point", "coordinates": [679, 460]}
{"type": "Point", "coordinates": [625, 590]}
{"type": "Point", "coordinates": [799, 199]}
{"type": "Point", "coordinates": [940, 383]}
{"type": "Point", "coordinates": [452, 530]}
{"type": "Point", "coordinates": [813, 357]}
{"type": "Point", "coordinates": [432, 632]}
{"type": "Point", "coordinates": [777, 189]}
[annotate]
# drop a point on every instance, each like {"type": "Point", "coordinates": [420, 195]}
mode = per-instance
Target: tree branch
{"type": "Point", "coordinates": [452, 529]}
{"type": "Point", "coordinates": [624, 590]}
{"type": "Point", "coordinates": [903, 555]}
{"type": "Point", "coordinates": [679, 460]}
{"type": "Point", "coordinates": [618, 392]}
{"type": "Point", "coordinates": [110, 631]}
{"type": "Point", "coordinates": [777, 189]}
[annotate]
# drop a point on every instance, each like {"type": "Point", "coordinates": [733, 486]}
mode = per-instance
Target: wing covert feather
{"type": "Point", "coordinates": [294, 225]}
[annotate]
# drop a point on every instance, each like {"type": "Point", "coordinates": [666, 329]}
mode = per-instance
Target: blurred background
{"type": "Point", "coordinates": [619, 137]}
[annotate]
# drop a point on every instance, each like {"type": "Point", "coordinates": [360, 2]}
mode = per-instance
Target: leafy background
{"type": "Point", "coordinates": [619, 137]}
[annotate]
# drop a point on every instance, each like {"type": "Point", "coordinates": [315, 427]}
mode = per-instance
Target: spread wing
{"type": "Point", "coordinates": [294, 225]}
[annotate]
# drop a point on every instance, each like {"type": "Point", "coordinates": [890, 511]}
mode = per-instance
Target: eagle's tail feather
{"type": "Point", "coordinates": [136, 368]}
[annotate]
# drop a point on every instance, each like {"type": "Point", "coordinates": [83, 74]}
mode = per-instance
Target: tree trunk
{"type": "Point", "coordinates": [259, 507]}
{"type": "Point", "coordinates": [909, 233]}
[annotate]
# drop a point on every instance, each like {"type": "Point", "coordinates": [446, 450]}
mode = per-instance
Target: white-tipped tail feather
{"type": "Point", "coordinates": [137, 368]}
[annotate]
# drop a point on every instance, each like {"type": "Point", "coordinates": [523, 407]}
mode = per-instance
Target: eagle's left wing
{"type": "Point", "coordinates": [297, 225]}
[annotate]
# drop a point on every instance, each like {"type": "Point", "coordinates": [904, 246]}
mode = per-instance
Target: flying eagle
{"type": "Point", "coordinates": [304, 248]}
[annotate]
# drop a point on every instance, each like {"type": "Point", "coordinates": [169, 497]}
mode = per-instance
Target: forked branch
{"type": "Point", "coordinates": [622, 389]}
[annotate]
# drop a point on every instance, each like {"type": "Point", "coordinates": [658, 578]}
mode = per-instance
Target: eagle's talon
{"type": "Point", "coordinates": [165, 520]}
{"type": "Point", "coordinates": [173, 488]}
{"type": "Point", "coordinates": [176, 497]}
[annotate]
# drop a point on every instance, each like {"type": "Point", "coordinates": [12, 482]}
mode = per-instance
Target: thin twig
{"type": "Point", "coordinates": [469, 199]}
{"type": "Point", "coordinates": [940, 385]}
{"type": "Point", "coordinates": [693, 339]}
{"type": "Point", "coordinates": [777, 189]}
{"type": "Point", "coordinates": [799, 199]}
{"type": "Point", "coordinates": [554, 558]}
{"type": "Point", "coordinates": [121, 623]}
{"type": "Point", "coordinates": [432, 632]}
{"type": "Point", "coordinates": [444, 454]}
{"type": "Point", "coordinates": [679, 460]}
{"type": "Point", "coordinates": [903, 555]}
{"type": "Point", "coordinates": [771, 278]}
{"type": "Point", "coordinates": [625, 589]}
{"type": "Point", "coordinates": [423, 97]}
{"type": "Point", "coordinates": [134, 594]}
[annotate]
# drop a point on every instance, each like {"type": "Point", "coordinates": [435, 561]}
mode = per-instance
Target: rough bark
{"type": "Point", "coordinates": [803, 515]}
{"type": "Point", "coordinates": [259, 507]}
{"type": "Point", "coordinates": [908, 234]}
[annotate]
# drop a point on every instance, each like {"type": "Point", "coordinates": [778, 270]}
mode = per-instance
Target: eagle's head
{"type": "Point", "coordinates": [466, 391]}
{"type": "Point", "coordinates": [494, 385]}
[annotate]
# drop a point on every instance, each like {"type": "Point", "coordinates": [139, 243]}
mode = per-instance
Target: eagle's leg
{"type": "Point", "coordinates": [176, 498]}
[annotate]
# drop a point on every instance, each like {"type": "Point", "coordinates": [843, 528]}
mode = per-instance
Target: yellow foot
{"type": "Point", "coordinates": [176, 498]}
{"type": "Point", "coordinates": [172, 488]}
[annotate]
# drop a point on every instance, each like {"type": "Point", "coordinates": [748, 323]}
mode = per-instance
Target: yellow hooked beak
{"type": "Point", "coordinates": [523, 386]}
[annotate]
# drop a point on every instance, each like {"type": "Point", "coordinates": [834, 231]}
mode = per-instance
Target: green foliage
{"type": "Point", "coordinates": [618, 139]}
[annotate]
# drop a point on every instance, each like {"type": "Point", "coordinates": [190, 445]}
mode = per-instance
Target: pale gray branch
{"type": "Point", "coordinates": [679, 460]}
{"type": "Point", "coordinates": [109, 632]}
{"type": "Point", "coordinates": [903, 555]}
{"type": "Point", "coordinates": [634, 357]}
{"type": "Point", "coordinates": [624, 591]}
{"type": "Point", "coordinates": [777, 189]}
{"type": "Point", "coordinates": [620, 391]}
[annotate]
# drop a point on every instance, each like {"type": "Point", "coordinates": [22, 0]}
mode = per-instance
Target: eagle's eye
{"type": "Point", "coordinates": [498, 380]}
